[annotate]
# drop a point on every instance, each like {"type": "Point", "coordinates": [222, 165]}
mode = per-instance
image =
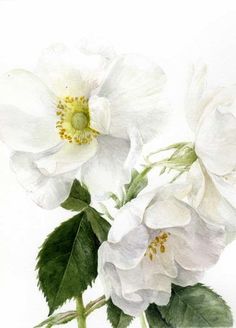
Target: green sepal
{"type": "Point", "coordinates": [196, 306]}
{"type": "Point", "coordinates": [116, 199]}
{"type": "Point", "coordinates": [154, 318]}
{"type": "Point", "coordinates": [78, 199]}
{"type": "Point", "coordinates": [99, 225]}
{"type": "Point", "coordinates": [67, 261]}
{"type": "Point", "coordinates": [137, 183]}
{"type": "Point", "coordinates": [58, 319]}
{"type": "Point", "coordinates": [117, 317]}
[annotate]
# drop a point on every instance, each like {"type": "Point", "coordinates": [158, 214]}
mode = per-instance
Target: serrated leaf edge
{"type": "Point", "coordinates": [207, 289]}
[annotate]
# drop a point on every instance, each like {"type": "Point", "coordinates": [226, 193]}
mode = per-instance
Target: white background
{"type": "Point", "coordinates": [174, 33]}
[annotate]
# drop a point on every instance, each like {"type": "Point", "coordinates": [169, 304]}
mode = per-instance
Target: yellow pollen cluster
{"type": "Point", "coordinates": [157, 243]}
{"type": "Point", "coordinates": [74, 122]}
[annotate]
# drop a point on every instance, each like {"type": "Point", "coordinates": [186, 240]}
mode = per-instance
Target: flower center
{"type": "Point", "coordinates": [79, 121]}
{"type": "Point", "coordinates": [74, 123]}
{"type": "Point", "coordinates": [158, 243]}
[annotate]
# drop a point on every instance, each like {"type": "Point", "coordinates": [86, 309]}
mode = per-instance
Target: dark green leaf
{"type": "Point", "coordinates": [99, 225]}
{"type": "Point", "coordinates": [67, 262]}
{"type": "Point", "coordinates": [79, 198]}
{"type": "Point", "coordinates": [58, 319]}
{"type": "Point", "coordinates": [137, 183]}
{"type": "Point", "coordinates": [154, 318]}
{"type": "Point", "coordinates": [117, 317]}
{"type": "Point", "coordinates": [196, 306]}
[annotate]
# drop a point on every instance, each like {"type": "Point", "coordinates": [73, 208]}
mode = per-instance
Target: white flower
{"type": "Point", "coordinates": [156, 240]}
{"type": "Point", "coordinates": [80, 110]}
{"type": "Point", "coordinates": [212, 116]}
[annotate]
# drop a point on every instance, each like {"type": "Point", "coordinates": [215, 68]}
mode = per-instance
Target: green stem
{"type": "Point", "coordinates": [81, 318]}
{"type": "Point", "coordinates": [95, 305]}
{"type": "Point", "coordinates": [143, 321]}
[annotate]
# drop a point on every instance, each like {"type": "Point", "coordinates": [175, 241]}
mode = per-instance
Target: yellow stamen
{"type": "Point", "coordinates": [158, 243]}
{"type": "Point", "coordinates": [74, 120]}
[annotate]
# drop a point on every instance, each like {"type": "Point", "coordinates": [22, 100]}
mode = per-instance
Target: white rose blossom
{"type": "Point", "coordinates": [156, 240]}
{"type": "Point", "coordinates": [212, 117]}
{"type": "Point", "coordinates": [81, 114]}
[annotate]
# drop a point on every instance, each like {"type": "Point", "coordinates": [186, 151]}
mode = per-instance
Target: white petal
{"type": "Point", "coordinates": [187, 277]}
{"type": "Point", "coordinates": [215, 141]}
{"type": "Point", "coordinates": [105, 172]}
{"type": "Point", "coordinates": [127, 253]}
{"type": "Point", "coordinates": [136, 292]}
{"type": "Point", "coordinates": [66, 158]}
{"type": "Point", "coordinates": [196, 177]}
{"type": "Point", "coordinates": [226, 186]}
{"type": "Point", "coordinates": [66, 82]}
{"type": "Point", "coordinates": [167, 213]}
{"type": "Point", "coordinates": [128, 307]}
{"type": "Point", "coordinates": [135, 153]}
{"type": "Point", "coordinates": [100, 116]}
{"type": "Point", "coordinates": [24, 132]}
{"type": "Point", "coordinates": [199, 245]}
{"type": "Point", "coordinates": [136, 283]}
{"type": "Point", "coordinates": [194, 104]}
{"type": "Point", "coordinates": [129, 217]}
{"type": "Point", "coordinates": [134, 88]}
{"type": "Point", "coordinates": [207, 198]}
{"type": "Point", "coordinates": [161, 264]}
{"type": "Point", "coordinates": [132, 290]}
{"type": "Point", "coordinates": [46, 191]}
{"type": "Point", "coordinates": [97, 46]}
{"type": "Point", "coordinates": [68, 71]}
{"type": "Point", "coordinates": [55, 68]}
{"type": "Point", "coordinates": [27, 92]}
{"type": "Point", "coordinates": [107, 273]}
{"type": "Point", "coordinates": [134, 156]}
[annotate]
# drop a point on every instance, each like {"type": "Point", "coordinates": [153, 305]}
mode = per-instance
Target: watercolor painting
{"type": "Point", "coordinates": [119, 165]}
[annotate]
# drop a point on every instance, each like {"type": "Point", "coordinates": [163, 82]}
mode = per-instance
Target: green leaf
{"type": "Point", "coordinates": [79, 198]}
{"type": "Point", "coordinates": [196, 306]}
{"type": "Point", "coordinates": [99, 225]}
{"type": "Point", "coordinates": [137, 183]}
{"type": "Point", "coordinates": [58, 319]}
{"type": "Point", "coordinates": [117, 317]}
{"type": "Point", "coordinates": [67, 261]}
{"type": "Point", "coordinates": [154, 318]}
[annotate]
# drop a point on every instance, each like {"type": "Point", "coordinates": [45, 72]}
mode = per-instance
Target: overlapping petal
{"type": "Point", "coordinates": [71, 70]}
{"type": "Point", "coordinates": [129, 217]}
{"type": "Point", "coordinates": [25, 91]}
{"type": "Point", "coordinates": [134, 88]}
{"type": "Point", "coordinates": [216, 141]}
{"type": "Point", "coordinates": [47, 191]}
{"type": "Point", "coordinates": [100, 114]}
{"type": "Point", "coordinates": [166, 214]}
{"type": "Point", "coordinates": [132, 276]}
{"type": "Point", "coordinates": [24, 132]}
{"type": "Point", "coordinates": [125, 103]}
{"type": "Point", "coordinates": [107, 171]}
{"type": "Point", "coordinates": [206, 197]}
{"type": "Point", "coordinates": [198, 245]}
{"type": "Point", "coordinates": [67, 157]}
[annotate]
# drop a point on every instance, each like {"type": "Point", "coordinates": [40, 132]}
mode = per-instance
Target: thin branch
{"type": "Point", "coordinates": [94, 305]}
